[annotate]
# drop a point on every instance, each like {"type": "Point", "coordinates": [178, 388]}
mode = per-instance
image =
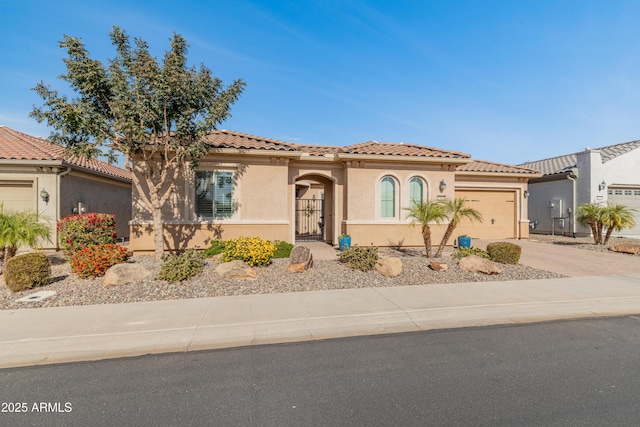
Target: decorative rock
{"type": "Point", "coordinates": [301, 259]}
{"type": "Point", "coordinates": [296, 268]}
{"type": "Point", "coordinates": [235, 269]}
{"type": "Point", "coordinates": [476, 264]}
{"type": "Point", "coordinates": [438, 266]}
{"type": "Point", "coordinates": [626, 248]}
{"type": "Point", "coordinates": [389, 266]}
{"type": "Point", "coordinates": [122, 274]}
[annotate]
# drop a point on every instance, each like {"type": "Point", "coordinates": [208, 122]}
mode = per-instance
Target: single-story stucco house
{"type": "Point", "coordinates": [254, 186]}
{"type": "Point", "coordinates": [608, 174]}
{"type": "Point", "coordinates": [37, 175]}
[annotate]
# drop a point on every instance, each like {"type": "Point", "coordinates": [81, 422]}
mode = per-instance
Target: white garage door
{"type": "Point", "coordinates": [17, 195]}
{"type": "Point", "coordinates": [498, 209]}
{"type": "Point", "coordinates": [629, 197]}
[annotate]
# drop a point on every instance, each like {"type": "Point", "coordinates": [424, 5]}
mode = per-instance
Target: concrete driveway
{"type": "Point", "coordinates": [572, 262]}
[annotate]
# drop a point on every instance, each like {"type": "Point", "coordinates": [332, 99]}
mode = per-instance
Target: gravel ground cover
{"type": "Point", "coordinates": [71, 290]}
{"type": "Point", "coordinates": [582, 242]}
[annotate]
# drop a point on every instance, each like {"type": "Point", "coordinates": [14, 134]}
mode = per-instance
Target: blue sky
{"type": "Point", "coordinates": [505, 81]}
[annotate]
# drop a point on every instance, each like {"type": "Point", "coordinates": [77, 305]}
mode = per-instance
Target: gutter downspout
{"type": "Point", "coordinates": [58, 179]}
{"type": "Point", "coordinates": [572, 176]}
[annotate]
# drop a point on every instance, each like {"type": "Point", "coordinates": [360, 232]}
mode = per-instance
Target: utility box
{"type": "Point", "coordinates": [556, 208]}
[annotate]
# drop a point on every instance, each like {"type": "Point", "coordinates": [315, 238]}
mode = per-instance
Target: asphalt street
{"type": "Point", "coordinates": [584, 372]}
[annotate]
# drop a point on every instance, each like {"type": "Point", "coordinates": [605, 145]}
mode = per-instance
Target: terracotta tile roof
{"type": "Point", "coordinates": [563, 163]}
{"type": "Point", "coordinates": [230, 139]}
{"type": "Point", "coordinates": [401, 149]}
{"type": "Point", "coordinates": [237, 140]}
{"type": "Point", "coordinates": [16, 145]}
{"type": "Point", "coordinates": [491, 167]}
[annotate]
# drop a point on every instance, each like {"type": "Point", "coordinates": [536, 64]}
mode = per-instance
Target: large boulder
{"type": "Point", "coordinates": [121, 274]}
{"type": "Point", "coordinates": [476, 264]}
{"type": "Point", "coordinates": [235, 269]}
{"type": "Point", "coordinates": [301, 259]}
{"type": "Point", "coordinates": [626, 248]}
{"type": "Point", "coordinates": [389, 266]}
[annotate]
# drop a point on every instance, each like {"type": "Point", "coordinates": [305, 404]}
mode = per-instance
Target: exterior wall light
{"type": "Point", "coordinates": [44, 195]}
{"type": "Point", "coordinates": [602, 185]}
{"type": "Point", "coordinates": [526, 193]}
{"type": "Point", "coordinates": [443, 185]}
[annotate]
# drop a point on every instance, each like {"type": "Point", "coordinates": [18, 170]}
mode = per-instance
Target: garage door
{"type": "Point", "coordinates": [498, 209]}
{"type": "Point", "coordinates": [16, 195]}
{"type": "Point", "coordinates": [629, 197]}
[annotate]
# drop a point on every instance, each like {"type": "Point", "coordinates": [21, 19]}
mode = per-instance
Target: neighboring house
{"type": "Point", "coordinates": [35, 174]}
{"type": "Point", "coordinates": [248, 185]}
{"type": "Point", "coordinates": [608, 174]}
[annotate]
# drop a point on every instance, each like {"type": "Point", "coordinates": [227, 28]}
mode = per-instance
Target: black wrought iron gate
{"type": "Point", "coordinates": [309, 220]}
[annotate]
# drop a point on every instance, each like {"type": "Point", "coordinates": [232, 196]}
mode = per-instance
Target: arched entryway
{"type": "Point", "coordinates": [314, 208]}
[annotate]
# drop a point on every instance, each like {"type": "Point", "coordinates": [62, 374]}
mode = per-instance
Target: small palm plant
{"type": "Point", "coordinates": [456, 210]}
{"type": "Point", "coordinates": [426, 213]}
{"type": "Point", "coordinates": [617, 217]}
{"type": "Point", "coordinates": [21, 228]}
{"type": "Point", "coordinates": [604, 220]}
{"type": "Point", "coordinates": [588, 215]}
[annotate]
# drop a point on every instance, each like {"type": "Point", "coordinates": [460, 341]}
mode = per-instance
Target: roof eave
{"type": "Point", "coordinates": [96, 172]}
{"type": "Point", "coordinates": [501, 174]}
{"type": "Point", "coordinates": [393, 158]}
{"type": "Point", "coordinates": [255, 152]}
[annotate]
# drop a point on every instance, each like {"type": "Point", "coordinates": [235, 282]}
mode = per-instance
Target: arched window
{"type": "Point", "coordinates": [388, 197]}
{"type": "Point", "coordinates": [416, 191]}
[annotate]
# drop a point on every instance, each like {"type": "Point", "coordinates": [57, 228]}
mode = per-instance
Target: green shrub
{"type": "Point", "coordinates": [95, 260]}
{"type": "Point", "coordinates": [283, 249]}
{"type": "Point", "coordinates": [216, 247]}
{"type": "Point", "coordinates": [464, 252]}
{"type": "Point", "coordinates": [181, 267]}
{"type": "Point", "coordinates": [504, 252]}
{"type": "Point", "coordinates": [77, 232]}
{"type": "Point", "coordinates": [360, 258]}
{"type": "Point", "coordinates": [27, 271]}
{"type": "Point", "coordinates": [252, 250]}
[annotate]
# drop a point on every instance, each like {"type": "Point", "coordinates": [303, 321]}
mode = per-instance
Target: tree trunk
{"type": "Point", "coordinates": [426, 236]}
{"type": "Point", "coordinates": [599, 226]}
{"type": "Point", "coordinates": [158, 232]}
{"type": "Point", "coordinates": [445, 238]}
{"type": "Point", "coordinates": [594, 230]}
{"type": "Point", "coordinates": [608, 235]}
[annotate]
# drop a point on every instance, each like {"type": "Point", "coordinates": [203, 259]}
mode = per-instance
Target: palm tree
{"type": "Point", "coordinates": [588, 215]}
{"type": "Point", "coordinates": [21, 228]}
{"type": "Point", "coordinates": [425, 213]}
{"type": "Point", "coordinates": [456, 210]}
{"type": "Point", "coordinates": [617, 217]}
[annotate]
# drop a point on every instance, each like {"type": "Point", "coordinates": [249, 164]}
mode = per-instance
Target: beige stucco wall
{"type": "Point", "coordinates": [97, 194]}
{"type": "Point", "coordinates": [362, 209]}
{"type": "Point", "coordinates": [265, 194]}
{"type": "Point", "coordinates": [261, 195]}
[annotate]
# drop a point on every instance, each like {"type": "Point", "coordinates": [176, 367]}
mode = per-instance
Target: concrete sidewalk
{"type": "Point", "coordinates": [65, 334]}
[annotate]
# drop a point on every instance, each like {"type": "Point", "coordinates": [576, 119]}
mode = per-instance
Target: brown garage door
{"type": "Point", "coordinates": [16, 195]}
{"type": "Point", "coordinates": [498, 209]}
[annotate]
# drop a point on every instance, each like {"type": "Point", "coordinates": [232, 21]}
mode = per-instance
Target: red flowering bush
{"type": "Point", "coordinates": [77, 232]}
{"type": "Point", "coordinates": [95, 260]}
